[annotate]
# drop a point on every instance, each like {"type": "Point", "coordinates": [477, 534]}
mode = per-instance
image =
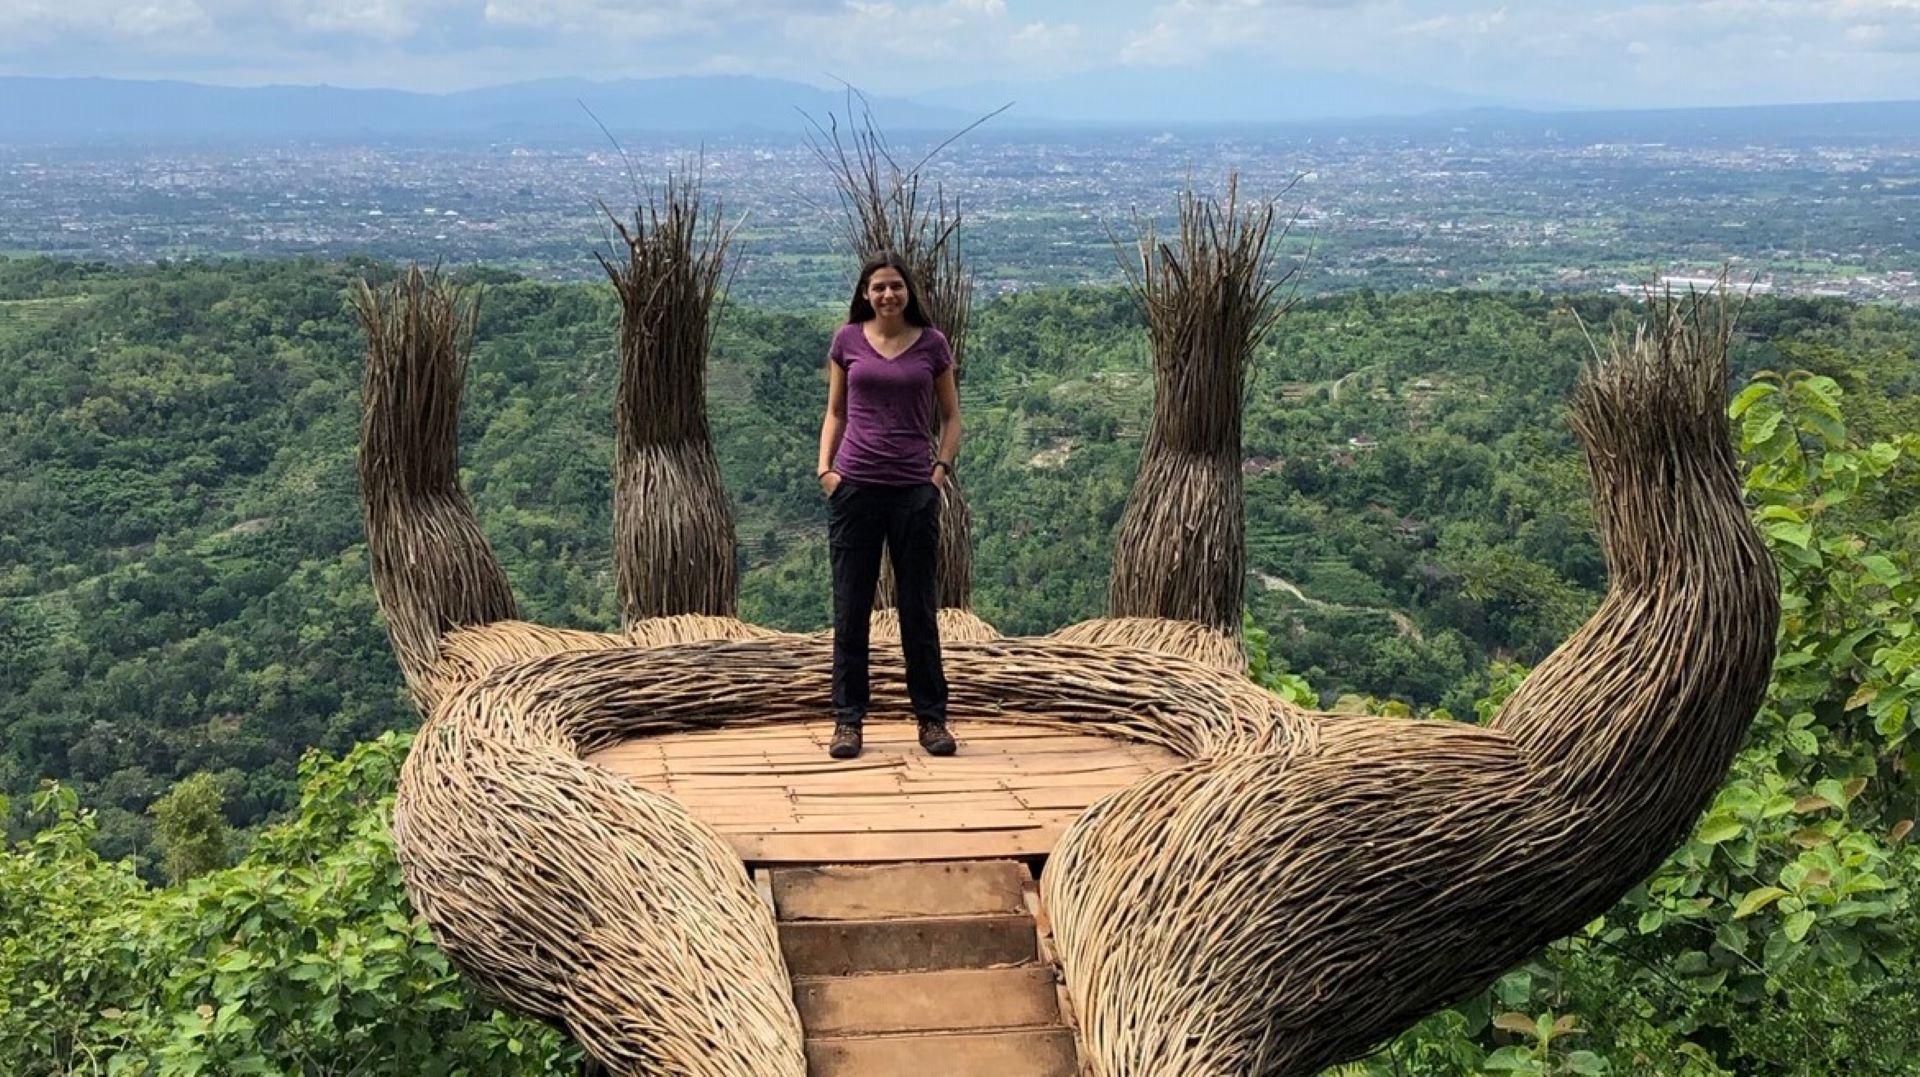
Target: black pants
{"type": "Point", "coordinates": [906, 519]}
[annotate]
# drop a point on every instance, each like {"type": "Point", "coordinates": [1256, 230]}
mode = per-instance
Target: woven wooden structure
{"type": "Point", "coordinates": [432, 567]}
{"type": "Point", "coordinates": [1182, 548]}
{"type": "Point", "coordinates": [673, 536]}
{"type": "Point", "coordinates": [1183, 639]}
{"type": "Point", "coordinates": [1295, 908]}
{"type": "Point", "coordinates": [1301, 888]}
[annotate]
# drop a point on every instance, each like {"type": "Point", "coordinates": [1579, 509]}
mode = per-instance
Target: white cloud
{"type": "Point", "coordinates": [585, 18]}
{"type": "Point", "coordinates": [953, 14]}
{"type": "Point", "coordinates": [379, 20]}
{"type": "Point", "coordinates": [1187, 31]}
{"type": "Point", "coordinates": [283, 22]}
{"type": "Point", "coordinates": [1468, 24]}
{"type": "Point", "coordinates": [1045, 34]}
{"type": "Point", "coordinates": [43, 20]}
{"type": "Point", "coordinates": [899, 46]}
{"type": "Point", "coordinates": [1162, 45]}
{"type": "Point", "coordinates": [1540, 51]}
{"type": "Point", "coordinates": [1049, 46]}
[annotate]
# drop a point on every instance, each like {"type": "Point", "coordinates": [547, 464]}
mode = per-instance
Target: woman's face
{"type": "Point", "coordinates": [887, 291]}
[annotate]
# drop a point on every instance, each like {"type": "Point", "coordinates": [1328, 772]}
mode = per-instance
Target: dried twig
{"type": "Point", "coordinates": [432, 567]}
{"type": "Point", "coordinates": [1209, 300]}
{"type": "Point", "coordinates": [673, 525]}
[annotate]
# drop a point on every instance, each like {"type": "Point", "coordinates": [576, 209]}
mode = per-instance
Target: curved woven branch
{"type": "Point", "coordinates": [1158, 699]}
{"type": "Point", "coordinates": [468, 654]}
{"type": "Point", "coordinates": [956, 626]}
{"type": "Point", "coordinates": [1304, 887]}
{"type": "Point", "coordinates": [432, 567]}
{"type": "Point", "coordinates": [1181, 552]}
{"type": "Point", "coordinates": [1183, 639]}
{"type": "Point", "coordinates": [1286, 911]}
{"type": "Point", "coordinates": [569, 893]}
{"type": "Point", "coordinates": [694, 628]}
{"type": "Point", "coordinates": [673, 525]}
{"type": "Point", "coordinates": [1694, 602]}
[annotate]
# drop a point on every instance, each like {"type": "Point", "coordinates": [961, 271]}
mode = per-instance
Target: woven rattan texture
{"type": "Point", "coordinates": [1280, 912]}
{"type": "Point", "coordinates": [1303, 888]}
{"type": "Point", "coordinates": [1209, 298]}
{"type": "Point", "coordinates": [673, 533]}
{"type": "Point", "coordinates": [1186, 639]}
{"type": "Point", "coordinates": [432, 567]}
{"type": "Point", "coordinates": [543, 875]}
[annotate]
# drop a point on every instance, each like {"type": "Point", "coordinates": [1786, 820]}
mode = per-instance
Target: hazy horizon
{"type": "Point", "coordinates": [1606, 54]}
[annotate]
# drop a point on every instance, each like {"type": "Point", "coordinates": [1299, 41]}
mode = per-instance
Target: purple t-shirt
{"type": "Point", "coordinates": [889, 436]}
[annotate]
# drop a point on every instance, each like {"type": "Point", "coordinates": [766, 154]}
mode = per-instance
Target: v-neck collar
{"type": "Point", "coordinates": [875, 348]}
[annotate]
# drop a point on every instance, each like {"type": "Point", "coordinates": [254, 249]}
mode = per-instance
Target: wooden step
{"type": "Point", "coordinates": [891, 891]}
{"type": "Point", "coordinates": [928, 1001]}
{"type": "Point", "coordinates": [1033, 1052]}
{"type": "Point", "coordinates": [847, 947]}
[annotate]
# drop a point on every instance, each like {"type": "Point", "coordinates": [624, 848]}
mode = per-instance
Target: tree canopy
{"type": "Point", "coordinates": [185, 615]}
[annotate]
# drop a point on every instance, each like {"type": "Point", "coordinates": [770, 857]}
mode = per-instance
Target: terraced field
{"type": "Point", "coordinates": [21, 316]}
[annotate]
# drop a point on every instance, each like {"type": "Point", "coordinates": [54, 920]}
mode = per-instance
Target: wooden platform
{"type": "Point", "coordinates": [935, 970]}
{"type": "Point", "coordinates": [776, 795]}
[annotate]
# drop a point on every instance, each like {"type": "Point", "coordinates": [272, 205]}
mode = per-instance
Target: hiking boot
{"type": "Point", "coordinates": [935, 738]}
{"type": "Point", "coordinates": [846, 740]}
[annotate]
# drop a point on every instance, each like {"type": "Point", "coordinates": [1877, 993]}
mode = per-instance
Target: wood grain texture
{"type": "Point", "coordinates": [777, 797]}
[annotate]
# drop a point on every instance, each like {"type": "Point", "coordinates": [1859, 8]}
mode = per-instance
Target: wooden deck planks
{"type": "Point", "coordinates": [772, 791]}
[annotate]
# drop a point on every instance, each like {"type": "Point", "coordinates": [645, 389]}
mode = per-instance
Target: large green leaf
{"type": "Point", "coordinates": [1755, 900]}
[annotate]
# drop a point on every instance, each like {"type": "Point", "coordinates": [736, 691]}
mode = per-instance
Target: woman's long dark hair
{"type": "Point", "coordinates": [862, 311]}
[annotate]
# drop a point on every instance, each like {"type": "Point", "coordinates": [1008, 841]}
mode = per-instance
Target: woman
{"type": "Point", "coordinates": [887, 370]}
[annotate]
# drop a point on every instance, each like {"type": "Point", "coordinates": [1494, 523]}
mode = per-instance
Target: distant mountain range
{"type": "Point", "coordinates": [59, 109]}
{"type": "Point", "coordinates": [92, 107]}
{"type": "Point", "coordinates": [1217, 94]}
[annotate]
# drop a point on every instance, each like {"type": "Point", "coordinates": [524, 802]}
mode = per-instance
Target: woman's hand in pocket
{"type": "Point", "coordinates": [830, 482]}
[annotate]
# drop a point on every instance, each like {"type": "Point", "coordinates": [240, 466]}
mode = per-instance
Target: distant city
{"type": "Point", "coordinates": [1517, 204]}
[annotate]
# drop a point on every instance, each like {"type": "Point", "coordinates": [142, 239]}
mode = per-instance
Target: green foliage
{"type": "Point", "coordinates": [58, 968]}
{"type": "Point", "coordinates": [192, 831]}
{"type": "Point", "coordinates": [1540, 1050]}
{"type": "Point", "coordinates": [1783, 937]}
{"type": "Point", "coordinates": [184, 604]}
{"type": "Point", "coordinates": [304, 958]}
{"type": "Point", "coordinates": [1266, 672]}
{"type": "Point", "coordinates": [183, 587]}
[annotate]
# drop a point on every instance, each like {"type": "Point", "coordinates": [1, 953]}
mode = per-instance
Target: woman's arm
{"type": "Point", "coordinates": [835, 423]}
{"type": "Point", "coordinates": [946, 398]}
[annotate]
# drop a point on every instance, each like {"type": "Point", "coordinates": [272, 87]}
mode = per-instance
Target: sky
{"type": "Point", "coordinates": [1543, 53]}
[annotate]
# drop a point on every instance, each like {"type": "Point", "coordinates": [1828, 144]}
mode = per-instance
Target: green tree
{"type": "Point", "coordinates": [190, 825]}
{"type": "Point", "coordinates": [1782, 938]}
{"type": "Point", "coordinates": [304, 958]}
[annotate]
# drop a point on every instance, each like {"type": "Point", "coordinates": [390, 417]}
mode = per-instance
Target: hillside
{"type": "Point", "coordinates": [183, 592]}
{"type": "Point", "coordinates": [183, 586]}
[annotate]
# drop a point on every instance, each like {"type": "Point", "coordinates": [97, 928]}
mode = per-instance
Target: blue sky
{"type": "Point", "coordinates": [1570, 52]}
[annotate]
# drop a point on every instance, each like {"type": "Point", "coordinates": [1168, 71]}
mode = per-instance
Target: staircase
{"type": "Point", "coordinates": [923, 969]}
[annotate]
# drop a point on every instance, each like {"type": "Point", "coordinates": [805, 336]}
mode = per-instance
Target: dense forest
{"type": "Point", "coordinates": [185, 614]}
